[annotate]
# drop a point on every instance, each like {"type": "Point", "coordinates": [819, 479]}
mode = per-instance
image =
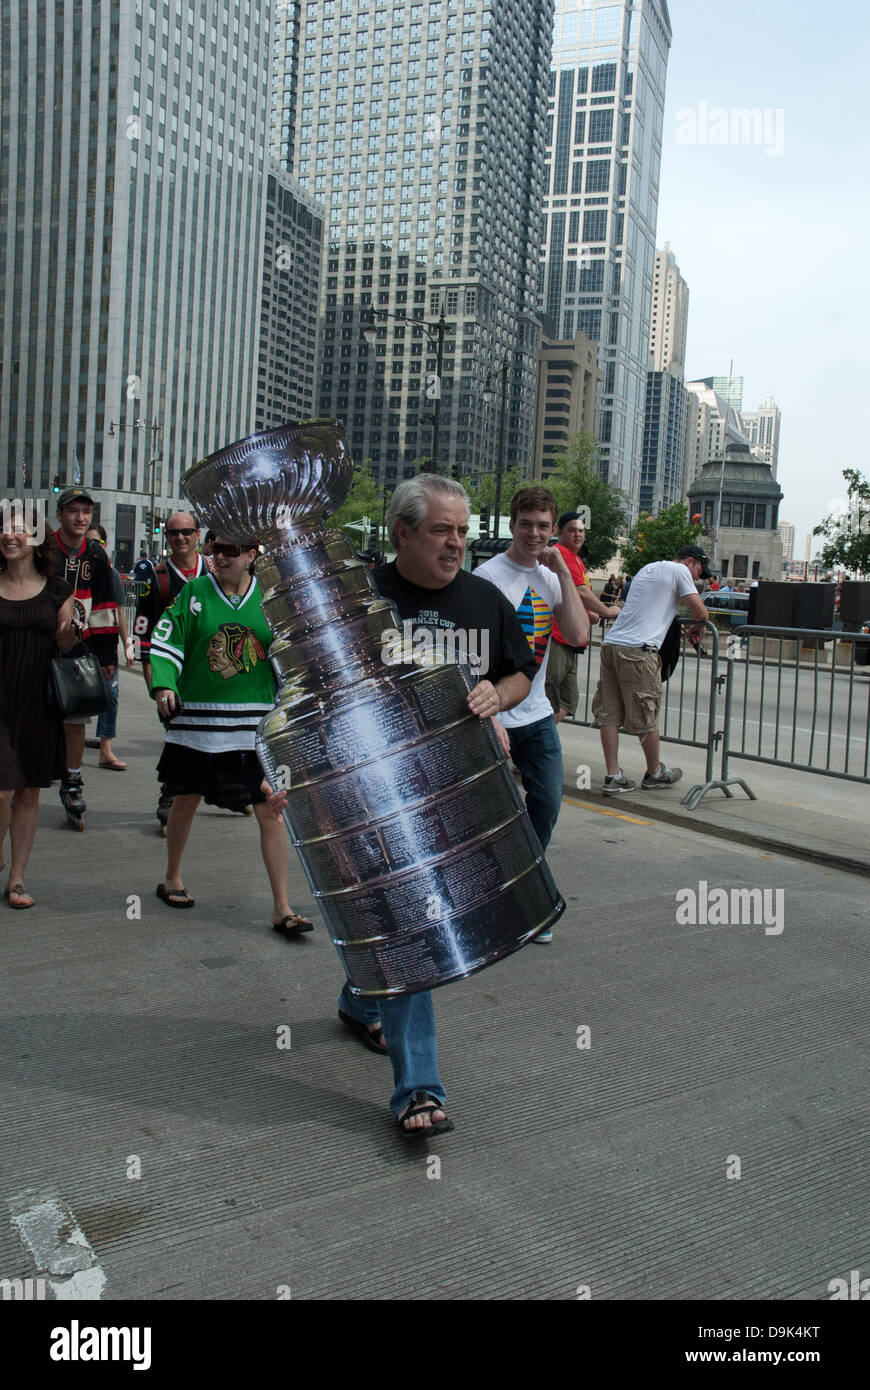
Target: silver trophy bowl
{"type": "Point", "coordinates": [400, 804]}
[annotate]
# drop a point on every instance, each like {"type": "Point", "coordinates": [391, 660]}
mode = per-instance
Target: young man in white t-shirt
{"type": "Point", "coordinates": [537, 583]}
{"type": "Point", "coordinates": [630, 684]}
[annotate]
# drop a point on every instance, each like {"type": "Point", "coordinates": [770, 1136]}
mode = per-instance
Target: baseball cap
{"type": "Point", "coordinates": [570, 516]}
{"type": "Point", "coordinates": [72, 493]}
{"type": "Point", "coordinates": [694, 552]}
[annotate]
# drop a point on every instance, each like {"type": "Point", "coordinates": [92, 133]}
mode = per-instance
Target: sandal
{"type": "Point", "coordinates": [174, 897]}
{"type": "Point", "coordinates": [114, 766]}
{"type": "Point", "coordinates": [421, 1102]}
{"type": "Point", "coordinates": [292, 925]}
{"type": "Point", "coordinates": [373, 1039]}
{"type": "Point", "coordinates": [17, 890]}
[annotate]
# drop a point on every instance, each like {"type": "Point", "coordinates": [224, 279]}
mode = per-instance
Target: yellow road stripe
{"type": "Point", "coordinates": [603, 811]}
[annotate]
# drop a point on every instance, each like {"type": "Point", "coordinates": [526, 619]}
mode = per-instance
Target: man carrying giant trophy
{"type": "Point", "coordinates": [390, 776]}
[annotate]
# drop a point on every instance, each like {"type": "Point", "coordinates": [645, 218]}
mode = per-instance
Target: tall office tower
{"type": "Point", "coordinates": [729, 388]}
{"type": "Point", "coordinates": [607, 87]}
{"type": "Point", "coordinates": [786, 535]}
{"type": "Point", "coordinates": [666, 409]}
{"type": "Point", "coordinates": [669, 320]}
{"type": "Point", "coordinates": [132, 191]}
{"type": "Point", "coordinates": [568, 378]}
{"type": "Point", "coordinates": [292, 256]}
{"type": "Point", "coordinates": [664, 442]}
{"type": "Point", "coordinates": [421, 126]}
{"type": "Point", "coordinates": [716, 426]}
{"type": "Point", "coordinates": [762, 427]}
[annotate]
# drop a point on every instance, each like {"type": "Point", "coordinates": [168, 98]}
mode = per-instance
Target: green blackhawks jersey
{"type": "Point", "coordinates": [210, 648]}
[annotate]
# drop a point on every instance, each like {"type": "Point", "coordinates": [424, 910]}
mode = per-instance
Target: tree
{"type": "Point", "coordinates": [364, 499]}
{"type": "Point", "coordinates": [658, 538]}
{"type": "Point", "coordinates": [847, 538]}
{"type": "Point", "coordinates": [575, 482]}
{"type": "Point", "coordinates": [481, 490]}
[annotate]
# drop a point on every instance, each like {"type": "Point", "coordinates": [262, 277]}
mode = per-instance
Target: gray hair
{"type": "Point", "coordinates": [410, 501]}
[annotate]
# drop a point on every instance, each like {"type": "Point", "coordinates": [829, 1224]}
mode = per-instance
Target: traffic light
{"type": "Point", "coordinates": [156, 527]}
{"type": "Point", "coordinates": [484, 521]}
{"type": "Point", "coordinates": [58, 483]}
{"type": "Point", "coordinates": [456, 470]}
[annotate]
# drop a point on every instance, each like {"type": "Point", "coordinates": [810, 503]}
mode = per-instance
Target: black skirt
{"type": "Point", "coordinates": [231, 780]}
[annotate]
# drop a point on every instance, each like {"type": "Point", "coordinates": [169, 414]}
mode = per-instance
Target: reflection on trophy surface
{"type": "Point", "coordinates": [403, 811]}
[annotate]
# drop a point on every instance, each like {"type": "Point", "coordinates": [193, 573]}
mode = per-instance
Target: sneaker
{"type": "Point", "coordinates": [618, 783]}
{"type": "Point", "coordinates": [543, 938]}
{"type": "Point", "coordinates": [665, 777]}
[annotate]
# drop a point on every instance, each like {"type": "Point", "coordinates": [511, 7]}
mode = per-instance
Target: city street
{"type": "Point", "coordinates": [649, 1108]}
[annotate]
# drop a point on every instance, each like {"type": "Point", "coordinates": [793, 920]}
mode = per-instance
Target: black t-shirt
{"type": "Point", "coordinates": [469, 604]}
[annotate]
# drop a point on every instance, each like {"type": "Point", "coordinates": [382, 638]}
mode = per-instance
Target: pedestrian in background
{"type": "Point", "coordinates": [630, 685]}
{"type": "Point", "coordinates": [107, 723]}
{"type": "Point", "coordinates": [36, 617]}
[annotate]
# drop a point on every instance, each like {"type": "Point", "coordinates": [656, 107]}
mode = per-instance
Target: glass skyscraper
{"type": "Point", "coordinates": [604, 136]}
{"type": "Point", "coordinates": [132, 195]}
{"type": "Point", "coordinates": [421, 126]}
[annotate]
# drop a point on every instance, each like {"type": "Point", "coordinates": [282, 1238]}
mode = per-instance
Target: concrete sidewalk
{"type": "Point", "coordinates": [645, 1109]}
{"type": "Point", "coordinates": [814, 817]}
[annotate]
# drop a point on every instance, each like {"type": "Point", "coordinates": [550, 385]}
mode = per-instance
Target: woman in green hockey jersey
{"type": "Point", "coordinates": [213, 683]}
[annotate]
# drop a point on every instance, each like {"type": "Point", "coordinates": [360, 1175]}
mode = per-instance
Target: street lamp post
{"type": "Point", "coordinates": [152, 466]}
{"type": "Point", "coordinates": [488, 394]}
{"type": "Point", "coordinates": [435, 335]}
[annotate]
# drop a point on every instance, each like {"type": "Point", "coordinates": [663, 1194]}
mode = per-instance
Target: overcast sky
{"type": "Point", "coordinates": [775, 246]}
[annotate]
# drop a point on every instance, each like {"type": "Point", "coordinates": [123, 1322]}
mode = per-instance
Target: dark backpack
{"type": "Point", "coordinates": [671, 648]}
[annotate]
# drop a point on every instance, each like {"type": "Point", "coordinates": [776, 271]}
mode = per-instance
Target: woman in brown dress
{"type": "Point", "coordinates": [36, 617]}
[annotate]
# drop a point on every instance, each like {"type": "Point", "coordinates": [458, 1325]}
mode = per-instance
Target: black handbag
{"type": "Point", "coordinates": [78, 686]}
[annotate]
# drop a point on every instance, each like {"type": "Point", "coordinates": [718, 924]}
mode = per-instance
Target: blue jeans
{"type": "Point", "coordinates": [107, 723]}
{"type": "Point", "coordinates": [409, 1031]}
{"type": "Point", "coordinates": [537, 751]}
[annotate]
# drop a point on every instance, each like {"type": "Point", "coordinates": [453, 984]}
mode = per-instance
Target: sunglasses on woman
{"type": "Point", "coordinates": [232, 552]}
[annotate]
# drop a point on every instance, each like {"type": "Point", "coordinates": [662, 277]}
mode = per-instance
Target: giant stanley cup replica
{"type": "Point", "coordinates": [410, 827]}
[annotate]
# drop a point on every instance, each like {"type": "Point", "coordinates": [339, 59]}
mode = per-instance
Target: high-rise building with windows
{"type": "Point", "coordinates": [607, 87]}
{"type": "Point", "coordinates": [666, 412]}
{"type": "Point", "coordinates": [132, 195]}
{"type": "Point", "coordinates": [664, 442]}
{"type": "Point", "coordinates": [728, 388]}
{"type": "Point", "coordinates": [421, 127]}
{"type": "Point", "coordinates": [762, 427]}
{"type": "Point", "coordinates": [786, 535]}
{"type": "Point", "coordinates": [669, 320]}
{"type": "Point", "coordinates": [292, 257]}
{"type": "Point", "coordinates": [568, 376]}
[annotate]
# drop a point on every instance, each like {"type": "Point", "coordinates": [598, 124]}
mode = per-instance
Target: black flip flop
{"type": "Point", "coordinates": [168, 894]}
{"type": "Point", "coordinates": [420, 1102]}
{"type": "Point", "coordinates": [373, 1041]}
{"type": "Point", "coordinates": [302, 925]}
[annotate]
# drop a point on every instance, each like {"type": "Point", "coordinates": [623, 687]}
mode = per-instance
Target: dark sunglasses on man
{"type": "Point", "coordinates": [181, 530]}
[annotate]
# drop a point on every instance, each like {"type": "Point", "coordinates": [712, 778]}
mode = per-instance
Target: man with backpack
{"type": "Point", "coordinates": [163, 583]}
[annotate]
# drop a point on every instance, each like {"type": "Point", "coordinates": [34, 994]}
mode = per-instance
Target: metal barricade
{"type": "Point", "coordinates": [132, 590]}
{"type": "Point", "coordinates": [794, 697]}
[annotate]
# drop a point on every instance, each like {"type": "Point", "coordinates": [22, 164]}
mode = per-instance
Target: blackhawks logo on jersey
{"type": "Point", "coordinates": [234, 649]}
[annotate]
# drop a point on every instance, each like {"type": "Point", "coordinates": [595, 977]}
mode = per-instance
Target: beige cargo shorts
{"type": "Point", "coordinates": [629, 689]}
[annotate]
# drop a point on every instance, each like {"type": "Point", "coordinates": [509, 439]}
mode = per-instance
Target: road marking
{"type": "Point", "coordinates": [603, 811]}
{"type": "Point", "coordinates": [58, 1245]}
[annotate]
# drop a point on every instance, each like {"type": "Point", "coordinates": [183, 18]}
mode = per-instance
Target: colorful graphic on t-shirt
{"type": "Point", "coordinates": [536, 621]}
{"type": "Point", "coordinates": [234, 649]}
